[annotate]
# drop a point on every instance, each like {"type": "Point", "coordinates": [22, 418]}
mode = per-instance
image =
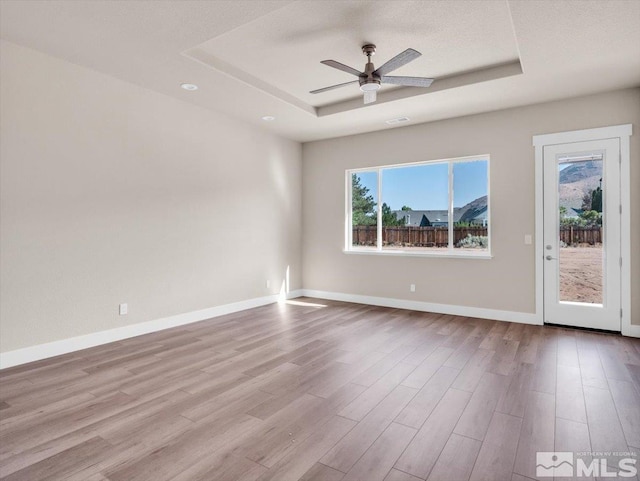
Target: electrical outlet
{"type": "Point", "coordinates": [528, 240]}
{"type": "Point", "coordinates": [268, 284]}
{"type": "Point", "coordinates": [412, 288]}
{"type": "Point", "coordinates": [123, 309]}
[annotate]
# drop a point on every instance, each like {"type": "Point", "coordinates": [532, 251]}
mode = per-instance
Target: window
{"type": "Point", "coordinates": [430, 208]}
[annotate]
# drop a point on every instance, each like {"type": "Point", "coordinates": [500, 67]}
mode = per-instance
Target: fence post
{"type": "Point", "coordinates": [570, 235]}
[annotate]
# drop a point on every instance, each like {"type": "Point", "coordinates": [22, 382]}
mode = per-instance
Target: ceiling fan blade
{"type": "Point", "coordinates": [398, 61]}
{"type": "Point", "coordinates": [369, 96]}
{"type": "Point", "coordinates": [325, 89]}
{"type": "Point", "coordinates": [408, 81]}
{"type": "Point", "coordinates": [343, 67]}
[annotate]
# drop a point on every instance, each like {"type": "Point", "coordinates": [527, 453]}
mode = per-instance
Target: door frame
{"type": "Point", "coordinates": [602, 313]}
{"type": "Point", "coordinates": [621, 132]}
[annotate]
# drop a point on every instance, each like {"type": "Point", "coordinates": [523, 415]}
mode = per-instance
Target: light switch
{"type": "Point", "coordinates": [528, 239]}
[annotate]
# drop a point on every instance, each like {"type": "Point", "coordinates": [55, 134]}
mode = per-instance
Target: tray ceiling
{"type": "Point", "coordinates": [281, 52]}
{"type": "Point", "coordinates": [257, 58]}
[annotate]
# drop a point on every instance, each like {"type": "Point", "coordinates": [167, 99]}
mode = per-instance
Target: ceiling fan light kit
{"type": "Point", "coordinates": [371, 79]}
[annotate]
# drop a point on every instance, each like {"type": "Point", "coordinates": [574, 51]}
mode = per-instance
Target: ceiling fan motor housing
{"type": "Point", "coordinates": [369, 81]}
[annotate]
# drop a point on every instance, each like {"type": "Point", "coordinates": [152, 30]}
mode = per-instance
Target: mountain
{"type": "Point", "coordinates": [576, 180]}
{"type": "Point", "coordinates": [578, 171]}
{"type": "Point", "coordinates": [473, 212]}
{"type": "Point", "coordinates": [470, 211]}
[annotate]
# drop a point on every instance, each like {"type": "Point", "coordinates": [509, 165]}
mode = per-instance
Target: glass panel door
{"type": "Point", "coordinates": [582, 234]}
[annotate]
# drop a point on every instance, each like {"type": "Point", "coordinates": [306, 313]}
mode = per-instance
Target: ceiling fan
{"type": "Point", "coordinates": [371, 78]}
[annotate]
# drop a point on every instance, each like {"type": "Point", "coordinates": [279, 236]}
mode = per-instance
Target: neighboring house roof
{"type": "Point", "coordinates": [573, 212]}
{"type": "Point", "coordinates": [414, 217]}
{"type": "Point", "coordinates": [441, 217]}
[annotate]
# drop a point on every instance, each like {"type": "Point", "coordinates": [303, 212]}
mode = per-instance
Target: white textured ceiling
{"type": "Point", "coordinates": [254, 58]}
{"type": "Point", "coordinates": [285, 47]}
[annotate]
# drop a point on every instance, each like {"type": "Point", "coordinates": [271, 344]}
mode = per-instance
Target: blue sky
{"type": "Point", "coordinates": [425, 187]}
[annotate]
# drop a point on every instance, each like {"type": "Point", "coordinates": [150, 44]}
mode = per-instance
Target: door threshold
{"type": "Point", "coordinates": [579, 328]}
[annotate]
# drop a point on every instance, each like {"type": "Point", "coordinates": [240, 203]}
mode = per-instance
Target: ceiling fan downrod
{"type": "Point", "coordinates": [369, 81]}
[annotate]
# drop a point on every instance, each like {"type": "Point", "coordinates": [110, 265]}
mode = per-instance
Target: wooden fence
{"type": "Point", "coordinates": [570, 234]}
{"type": "Point", "coordinates": [366, 235]}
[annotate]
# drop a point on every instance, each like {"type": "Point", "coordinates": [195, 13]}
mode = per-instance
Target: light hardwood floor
{"type": "Point", "coordinates": [339, 392]}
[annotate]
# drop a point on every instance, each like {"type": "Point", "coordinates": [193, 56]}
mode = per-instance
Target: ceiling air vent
{"type": "Point", "coordinates": [399, 120]}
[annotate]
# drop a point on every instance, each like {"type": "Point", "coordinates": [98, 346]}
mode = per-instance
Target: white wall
{"type": "Point", "coordinates": [504, 283]}
{"type": "Point", "coordinates": [112, 193]}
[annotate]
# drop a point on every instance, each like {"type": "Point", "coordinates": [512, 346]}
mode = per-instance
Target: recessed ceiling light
{"type": "Point", "coordinates": [189, 86]}
{"type": "Point", "coordinates": [268, 118]}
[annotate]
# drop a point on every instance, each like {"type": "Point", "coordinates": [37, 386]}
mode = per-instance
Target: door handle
{"type": "Point", "coordinates": [549, 258]}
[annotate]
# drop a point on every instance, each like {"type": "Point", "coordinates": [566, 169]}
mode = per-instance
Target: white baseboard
{"type": "Point", "coordinates": [511, 316]}
{"type": "Point", "coordinates": [631, 331]}
{"type": "Point", "coordinates": [64, 346]}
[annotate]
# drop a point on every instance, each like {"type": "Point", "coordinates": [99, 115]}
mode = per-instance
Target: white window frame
{"type": "Point", "coordinates": [450, 251]}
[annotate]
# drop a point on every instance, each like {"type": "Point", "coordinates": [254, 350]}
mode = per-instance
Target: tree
{"type": "Point", "coordinates": [586, 200]}
{"type": "Point", "coordinates": [592, 200]}
{"type": "Point", "coordinates": [390, 218]}
{"type": "Point", "coordinates": [363, 207]}
{"type": "Point", "coordinates": [574, 221]}
{"type": "Point", "coordinates": [406, 208]}
{"type": "Point", "coordinates": [563, 212]}
{"type": "Point", "coordinates": [596, 199]}
{"type": "Point", "coordinates": [587, 218]}
{"type": "Point", "coordinates": [591, 217]}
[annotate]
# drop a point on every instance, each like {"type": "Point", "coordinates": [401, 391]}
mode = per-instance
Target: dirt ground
{"type": "Point", "coordinates": [581, 274]}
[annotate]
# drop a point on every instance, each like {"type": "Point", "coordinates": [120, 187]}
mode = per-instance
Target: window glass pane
{"type": "Point", "coordinates": [580, 217]}
{"type": "Point", "coordinates": [364, 216]}
{"type": "Point", "coordinates": [415, 214]}
{"type": "Point", "coordinates": [470, 205]}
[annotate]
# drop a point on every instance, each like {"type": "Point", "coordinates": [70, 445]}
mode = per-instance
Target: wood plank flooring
{"type": "Point", "coordinates": [320, 390]}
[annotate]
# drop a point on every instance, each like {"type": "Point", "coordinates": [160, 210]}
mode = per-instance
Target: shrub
{"type": "Point", "coordinates": [474, 242]}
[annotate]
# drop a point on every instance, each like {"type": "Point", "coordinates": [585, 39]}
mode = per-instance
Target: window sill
{"type": "Point", "coordinates": [400, 253]}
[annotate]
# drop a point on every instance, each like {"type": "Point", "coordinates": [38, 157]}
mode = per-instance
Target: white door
{"type": "Point", "coordinates": [582, 234]}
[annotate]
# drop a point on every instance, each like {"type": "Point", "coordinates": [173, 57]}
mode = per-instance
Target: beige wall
{"type": "Point", "coordinates": [112, 193]}
{"type": "Point", "coordinates": [505, 282]}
